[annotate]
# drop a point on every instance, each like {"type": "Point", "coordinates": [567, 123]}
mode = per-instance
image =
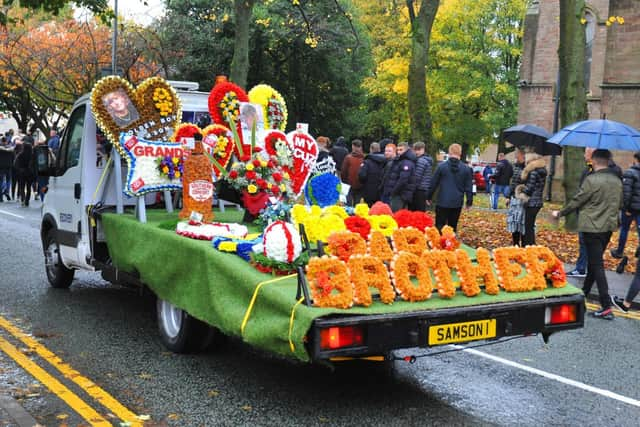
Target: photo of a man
{"type": "Point", "coordinates": [120, 107]}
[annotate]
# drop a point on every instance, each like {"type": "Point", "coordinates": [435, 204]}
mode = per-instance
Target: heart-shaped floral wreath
{"type": "Point", "coordinates": [140, 123]}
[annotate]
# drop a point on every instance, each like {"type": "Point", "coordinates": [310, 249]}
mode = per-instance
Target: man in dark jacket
{"type": "Point", "coordinates": [630, 204]}
{"type": "Point", "coordinates": [339, 152]}
{"type": "Point", "coordinates": [370, 174]}
{"type": "Point", "coordinates": [390, 151]}
{"type": "Point", "coordinates": [502, 178]}
{"type": "Point", "coordinates": [454, 180]}
{"type": "Point", "coordinates": [349, 172]}
{"type": "Point", "coordinates": [400, 184]}
{"type": "Point", "coordinates": [6, 163]}
{"type": "Point", "coordinates": [599, 199]}
{"type": "Point", "coordinates": [422, 174]}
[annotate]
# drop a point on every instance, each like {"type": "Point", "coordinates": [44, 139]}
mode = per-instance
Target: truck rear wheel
{"type": "Point", "coordinates": [58, 274]}
{"type": "Point", "coordinates": [180, 332]}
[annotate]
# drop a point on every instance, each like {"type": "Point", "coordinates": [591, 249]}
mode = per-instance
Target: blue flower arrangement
{"type": "Point", "coordinates": [323, 190]}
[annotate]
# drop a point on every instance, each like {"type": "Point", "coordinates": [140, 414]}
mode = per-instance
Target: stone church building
{"type": "Point", "coordinates": [612, 67]}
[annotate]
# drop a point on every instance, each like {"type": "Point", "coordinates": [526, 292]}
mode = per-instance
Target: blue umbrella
{"type": "Point", "coordinates": [605, 134]}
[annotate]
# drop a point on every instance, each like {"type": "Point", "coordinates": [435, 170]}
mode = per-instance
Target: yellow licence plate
{"type": "Point", "coordinates": [462, 332]}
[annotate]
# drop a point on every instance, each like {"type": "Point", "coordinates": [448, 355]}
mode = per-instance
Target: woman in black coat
{"type": "Point", "coordinates": [533, 178]}
{"type": "Point", "coordinates": [26, 175]}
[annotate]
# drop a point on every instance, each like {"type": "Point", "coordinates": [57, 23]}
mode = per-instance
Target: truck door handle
{"type": "Point", "coordinates": [77, 190]}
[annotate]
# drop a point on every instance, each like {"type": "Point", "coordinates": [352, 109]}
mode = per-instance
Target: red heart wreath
{"type": "Point", "coordinates": [224, 106]}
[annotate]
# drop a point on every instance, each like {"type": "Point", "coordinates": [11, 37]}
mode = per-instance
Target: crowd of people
{"type": "Point", "coordinates": [405, 177]}
{"type": "Point", "coordinates": [18, 174]}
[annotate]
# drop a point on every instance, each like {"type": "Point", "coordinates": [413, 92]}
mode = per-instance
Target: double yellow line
{"type": "Point", "coordinates": [56, 387]}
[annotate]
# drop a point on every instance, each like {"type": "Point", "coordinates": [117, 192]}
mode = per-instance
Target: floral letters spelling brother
{"type": "Point", "coordinates": [343, 279]}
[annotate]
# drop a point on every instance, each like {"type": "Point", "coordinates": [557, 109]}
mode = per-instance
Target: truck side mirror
{"type": "Point", "coordinates": [45, 161]}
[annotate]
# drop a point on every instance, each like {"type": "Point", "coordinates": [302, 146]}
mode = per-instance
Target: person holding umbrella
{"type": "Point", "coordinates": [599, 199]}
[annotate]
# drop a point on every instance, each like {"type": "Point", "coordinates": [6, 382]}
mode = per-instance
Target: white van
{"type": "Point", "coordinates": [79, 182]}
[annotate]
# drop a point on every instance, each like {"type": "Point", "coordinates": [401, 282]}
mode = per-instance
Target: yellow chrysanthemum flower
{"type": "Point", "coordinates": [252, 189]}
{"type": "Point", "coordinates": [362, 210]}
{"type": "Point", "coordinates": [249, 166]}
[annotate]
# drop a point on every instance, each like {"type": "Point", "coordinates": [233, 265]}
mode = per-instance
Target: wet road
{"type": "Point", "coordinates": [109, 335]}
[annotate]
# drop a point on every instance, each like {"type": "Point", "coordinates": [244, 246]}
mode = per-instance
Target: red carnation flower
{"type": "Point", "coordinates": [358, 225]}
{"type": "Point", "coordinates": [233, 174]}
{"type": "Point", "coordinates": [404, 218]}
{"type": "Point", "coordinates": [251, 174]}
{"type": "Point", "coordinates": [275, 189]}
{"type": "Point", "coordinates": [277, 177]}
{"type": "Point", "coordinates": [262, 183]}
{"type": "Point", "coordinates": [272, 164]}
{"type": "Point", "coordinates": [256, 163]}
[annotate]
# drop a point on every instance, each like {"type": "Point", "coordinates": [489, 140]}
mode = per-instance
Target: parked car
{"type": "Point", "coordinates": [478, 179]}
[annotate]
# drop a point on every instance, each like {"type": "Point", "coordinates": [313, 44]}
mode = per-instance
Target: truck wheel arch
{"type": "Point", "coordinates": [58, 275]}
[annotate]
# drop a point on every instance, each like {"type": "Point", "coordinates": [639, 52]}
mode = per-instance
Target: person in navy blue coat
{"type": "Point", "coordinates": [453, 180]}
{"type": "Point", "coordinates": [401, 183]}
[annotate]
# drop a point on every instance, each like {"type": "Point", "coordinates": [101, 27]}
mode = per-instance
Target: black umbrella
{"type": "Point", "coordinates": [531, 136]}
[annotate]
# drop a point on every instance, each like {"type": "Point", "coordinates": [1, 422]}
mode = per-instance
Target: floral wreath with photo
{"type": "Point", "coordinates": [273, 105]}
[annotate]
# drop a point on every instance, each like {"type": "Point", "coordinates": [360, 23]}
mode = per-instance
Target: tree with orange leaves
{"type": "Point", "coordinates": [47, 62]}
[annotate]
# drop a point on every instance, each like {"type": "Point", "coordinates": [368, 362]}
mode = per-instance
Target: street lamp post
{"type": "Point", "coordinates": [114, 42]}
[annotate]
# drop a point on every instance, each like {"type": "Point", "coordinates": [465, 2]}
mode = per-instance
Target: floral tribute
{"type": "Point", "coordinates": [163, 101]}
{"type": "Point", "coordinates": [171, 167]}
{"type": "Point", "coordinates": [323, 190]}
{"type": "Point", "coordinates": [305, 153]}
{"type": "Point", "coordinates": [145, 134]}
{"type": "Point", "coordinates": [273, 106]}
{"type": "Point", "coordinates": [446, 240]}
{"type": "Point", "coordinates": [330, 282]}
{"type": "Point", "coordinates": [224, 108]}
{"type": "Point", "coordinates": [416, 219]}
{"type": "Point", "coordinates": [276, 145]}
{"type": "Point", "coordinates": [518, 269]}
{"type": "Point", "coordinates": [280, 251]}
{"type": "Point", "coordinates": [345, 244]}
{"type": "Point", "coordinates": [366, 272]}
{"type": "Point", "coordinates": [257, 179]}
{"type": "Point", "coordinates": [218, 143]}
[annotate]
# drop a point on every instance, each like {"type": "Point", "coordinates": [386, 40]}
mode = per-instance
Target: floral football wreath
{"type": "Point", "coordinates": [276, 145]}
{"type": "Point", "coordinates": [273, 106]}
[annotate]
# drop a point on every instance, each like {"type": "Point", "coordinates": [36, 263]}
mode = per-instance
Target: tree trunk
{"type": "Point", "coordinates": [419, 116]}
{"type": "Point", "coordinates": [573, 95]}
{"type": "Point", "coordinates": [240, 60]}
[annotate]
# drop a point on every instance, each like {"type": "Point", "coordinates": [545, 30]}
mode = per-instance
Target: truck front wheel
{"type": "Point", "coordinates": [58, 274]}
{"type": "Point", "coordinates": [180, 332]}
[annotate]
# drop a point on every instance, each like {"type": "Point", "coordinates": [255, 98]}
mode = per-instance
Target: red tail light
{"type": "Point", "coordinates": [341, 336]}
{"type": "Point", "coordinates": [565, 313]}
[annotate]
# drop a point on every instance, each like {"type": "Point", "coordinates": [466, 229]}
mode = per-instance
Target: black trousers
{"type": "Point", "coordinates": [419, 202]}
{"type": "Point", "coordinates": [596, 244]}
{"type": "Point", "coordinates": [530, 215]}
{"type": "Point", "coordinates": [447, 216]}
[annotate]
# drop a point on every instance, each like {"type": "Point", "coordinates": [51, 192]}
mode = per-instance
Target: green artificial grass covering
{"type": "Point", "coordinates": [217, 287]}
